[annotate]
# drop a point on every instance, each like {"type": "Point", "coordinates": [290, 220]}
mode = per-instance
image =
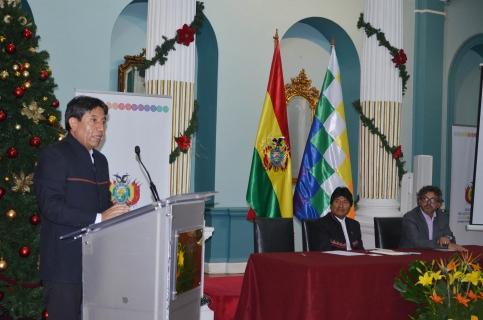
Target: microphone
{"type": "Point", "coordinates": [154, 192]}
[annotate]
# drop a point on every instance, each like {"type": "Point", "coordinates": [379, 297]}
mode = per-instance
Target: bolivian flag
{"type": "Point", "coordinates": [269, 192]}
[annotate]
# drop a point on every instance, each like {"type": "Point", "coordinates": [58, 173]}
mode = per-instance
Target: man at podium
{"type": "Point", "coordinates": [72, 187]}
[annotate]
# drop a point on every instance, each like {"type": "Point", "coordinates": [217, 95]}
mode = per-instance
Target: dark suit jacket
{"type": "Point", "coordinates": [70, 190]}
{"type": "Point", "coordinates": [415, 232]}
{"type": "Point", "coordinates": [326, 234]}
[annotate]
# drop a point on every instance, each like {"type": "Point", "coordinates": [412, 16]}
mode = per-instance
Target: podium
{"type": "Point", "coordinates": [146, 264]}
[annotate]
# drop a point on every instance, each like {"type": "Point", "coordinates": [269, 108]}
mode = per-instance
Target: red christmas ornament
{"type": "Point", "coordinates": [183, 142]}
{"type": "Point", "coordinates": [45, 315]}
{"type": "Point", "coordinates": [55, 104]}
{"type": "Point", "coordinates": [3, 115]}
{"type": "Point", "coordinates": [35, 219]}
{"type": "Point", "coordinates": [399, 58]}
{"type": "Point", "coordinates": [27, 33]}
{"type": "Point", "coordinates": [10, 48]}
{"type": "Point", "coordinates": [1, 295]}
{"type": "Point", "coordinates": [18, 92]}
{"type": "Point", "coordinates": [2, 192]}
{"type": "Point", "coordinates": [44, 74]}
{"type": "Point", "coordinates": [35, 141]}
{"type": "Point", "coordinates": [186, 35]}
{"type": "Point", "coordinates": [12, 152]}
{"type": "Point", "coordinates": [24, 251]}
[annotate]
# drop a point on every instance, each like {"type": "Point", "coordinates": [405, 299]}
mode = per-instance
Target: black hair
{"type": "Point", "coordinates": [426, 189]}
{"type": "Point", "coordinates": [341, 192]}
{"type": "Point", "coordinates": [80, 105]}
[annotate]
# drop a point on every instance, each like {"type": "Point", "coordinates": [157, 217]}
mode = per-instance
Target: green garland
{"type": "Point", "coordinates": [395, 52]}
{"type": "Point", "coordinates": [394, 150]}
{"type": "Point", "coordinates": [190, 130]}
{"type": "Point", "coordinates": [161, 52]}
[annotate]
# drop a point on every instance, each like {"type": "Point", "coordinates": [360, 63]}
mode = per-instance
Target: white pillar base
{"type": "Point", "coordinates": [367, 209]}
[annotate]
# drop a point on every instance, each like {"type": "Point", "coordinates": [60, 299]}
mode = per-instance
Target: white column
{"type": "Point", "coordinates": [175, 78]}
{"type": "Point", "coordinates": [381, 97]}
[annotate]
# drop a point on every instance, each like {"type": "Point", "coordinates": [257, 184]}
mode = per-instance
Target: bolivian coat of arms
{"type": "Point", "coordinates": [275, 154]}
{"type": "Point", "coordinates": [124, 191]}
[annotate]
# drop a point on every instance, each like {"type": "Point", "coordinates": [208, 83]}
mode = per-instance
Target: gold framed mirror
{"type": "Point", "coordinates": [302, 100]}
{"type": "Point", "coordinates": [128, 76]}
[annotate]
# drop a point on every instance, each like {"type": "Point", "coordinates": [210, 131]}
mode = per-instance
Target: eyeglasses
{"type": "Point", "coordinates": [431, 200]}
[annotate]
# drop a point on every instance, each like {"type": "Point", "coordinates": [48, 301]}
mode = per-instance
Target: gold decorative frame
{"type": "Point", "coordinates": [129, 62]}
{"type": "Point", "coordinates": [301, 86]}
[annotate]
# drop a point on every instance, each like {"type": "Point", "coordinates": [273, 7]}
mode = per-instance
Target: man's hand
{"type": "Point", "coordinates": [444, 241]}
{"type": "Point", "coordinates": [114, 211]}
{"type": "Point", "coordinates": [456, 247]}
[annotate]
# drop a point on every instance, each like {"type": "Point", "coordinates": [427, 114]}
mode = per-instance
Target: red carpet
{"type": "Point", "coordinates": [224, 293]}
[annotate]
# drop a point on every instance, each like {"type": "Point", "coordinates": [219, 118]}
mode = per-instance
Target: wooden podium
{"type": "Point", "coordinates": [146, 264]}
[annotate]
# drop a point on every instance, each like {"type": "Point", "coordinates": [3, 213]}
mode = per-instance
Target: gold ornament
{"type": "Point", "coordinates": [27, 84]}
{"type": "Point", "coordinates": [3, 264]}
{"type": "Point", "coordinates": [7, 18]}
{"type": "Point", "coordinates": [52, 119]}
{"type": "Point", "coordinates": [22, 20]}
{"type": "Point", "coordinates": [22, 182]}
{"type": "Point", "coordinates": [17, 73]}
{"type": "Point", "coordinates": [15, 67]}
{"type": "Point", "coordinates": [26, 65]}
{"type": "Point", "coordinates": [2, 39]}
{"type": "Point", "coordinates": [61, 137]}
{"type": "Point", "coordinates": [25, 73]}
{"type": "Point", "coordinates": [45, 98]}
{"type": "Point", "coordinates": [11, 214]}
{"type": "Point", "coordinates": [18, 126]}
{"type": "Point", "coordinates": [32, 49]}
{"type": "Point", "coordinates": [6, 178]}
{"type": "Point", "coordinates": [4, 74]}
{"type": "Point", "coordinates": [33, 112]}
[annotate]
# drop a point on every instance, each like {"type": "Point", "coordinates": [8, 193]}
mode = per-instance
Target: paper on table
{"type": "Point", "coordinates": [390, 252]}
{"type": "Point", "coordinates": [345, 253]}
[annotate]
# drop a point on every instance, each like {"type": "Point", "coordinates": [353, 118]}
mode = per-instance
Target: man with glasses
{"type": "Point", "coordinates": [427, 226]}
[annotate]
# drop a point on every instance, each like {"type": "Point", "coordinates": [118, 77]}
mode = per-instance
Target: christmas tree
{"type": "Point", "coordinates": [29, 121]}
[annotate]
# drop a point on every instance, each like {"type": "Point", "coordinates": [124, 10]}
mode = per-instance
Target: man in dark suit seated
{"type": "Point", "coordinates": [427, 226]}
{"type": "Point", "coordinates": [336, 230]}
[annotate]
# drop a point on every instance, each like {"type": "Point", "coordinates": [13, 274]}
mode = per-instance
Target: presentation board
{"type": "Point", "coordinates": [136, 120]}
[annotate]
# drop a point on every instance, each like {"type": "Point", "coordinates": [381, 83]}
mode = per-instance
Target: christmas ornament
{"type": "Point", "coordinates": [4, 74]}
{"type": "Point", "coordinates": [45, 315]}
{"type": "Point", "coordinates": [10, 48]}
{"type": "Point", "coordinates": [11, 214]}
{"type": "Point", "coordinates": [35, 219]}
{"type": "Point", "coordinates": [45, 98]}
{"type": "Point", "coordinates": [3, 115]}
{"type": "Point", "coordinates": [18, 92]}
{"type": "Point", "coordinates": [12, 152]}
{"type": "Point", "coordinates": [33, 50]}
{"type": "Point", "coordinates": [183, 142]}
{"type": "Point", "coordinates": [52, 120]}
{"type": "Point", "coordinates": [3, 264]}
{"type": "Point", "coordinates": [24, 251]}
{"type": "Point", "coordinates": [27, 84]}
{"type": "Point", "coordinates": [15, 67]}
{"type": "Point", "coordinates": [7, 18]}
{"type": "Point", "coordinates": [26, 65]}
{"type": "Point", "coordinates": [2, 192]}
{"type": "Point", "coordinates": [35, 141]}
{"type": "Point", "coordinates": [17, 73]}
{"type": "Point", "coordinates": [18, 126]}
{"type": "Point", "coordinates": [44, 74]}
{"type": "Point", "coordinates": [2, 38]}
{"type": "Point", "coordinates": [22, 20]}
{"type": "Point", "coordinates": [186, 35]}
{"type": "Point", "coordinates": [27, 33]}
{"type": "Point", "coordinates": [6, 178]}
{"type": "Point", "coordinates": [397, 152]}
{"type": "Point", "coordinates": [55, 104]}
{"type": "Point", "coordinates": [22, 182]}
{"type": "Point", "coordinates": [33, 112]}
{"type": "Point", "coordinates": [25, 73]}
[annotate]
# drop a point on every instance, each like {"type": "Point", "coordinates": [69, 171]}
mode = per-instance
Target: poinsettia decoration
{"type": "Point", "coordinates": [184, 143]}
{"type": "Point", "coordinates": [400, 58]}
{"type": "Point", "coordinates": [186, 35]}
{"type": "Point", "coordinates": [397, 152]}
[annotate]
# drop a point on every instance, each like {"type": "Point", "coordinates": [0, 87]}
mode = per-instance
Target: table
{"type": "Point", "coordinates": [316, 285]}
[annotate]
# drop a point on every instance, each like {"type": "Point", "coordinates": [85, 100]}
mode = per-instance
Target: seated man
{"type": "Point", "coordinates": [335, 231]}
{"type": "Point", "coordinates": [427, 226]}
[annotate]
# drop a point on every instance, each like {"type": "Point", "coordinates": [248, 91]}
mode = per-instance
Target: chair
{"type": "Point", "coordinates": [387, 232]}
{"type": "Point", "coordinates": [273, 235]}
{"type": "Point", "coordinates": [312, 235]}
